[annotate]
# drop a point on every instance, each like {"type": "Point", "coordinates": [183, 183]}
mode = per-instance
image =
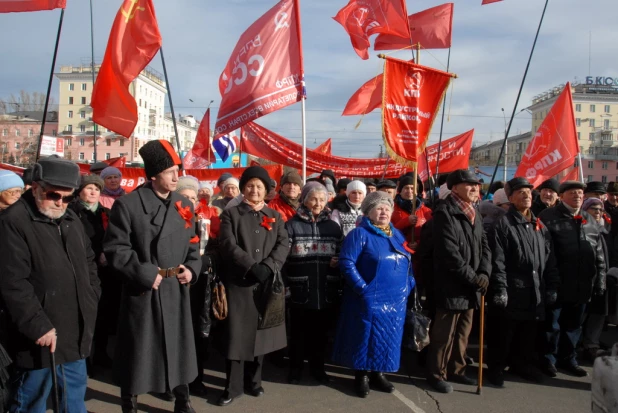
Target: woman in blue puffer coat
{"type": "Point", "coordinates": [377, 270]}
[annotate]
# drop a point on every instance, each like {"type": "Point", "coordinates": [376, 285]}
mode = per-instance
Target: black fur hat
{"type": "Point", "coordinates": [255, 172]}
{"type": "Point", "coordinates": [158, 156]}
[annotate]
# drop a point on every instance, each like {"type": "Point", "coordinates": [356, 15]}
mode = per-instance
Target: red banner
{"type": "Point", "coordinates": [454, 155]}
{"type": "Point", "coordinates": [201, 154]}
{"type": "Point", "coordinates": [134, 177]}
{"type": "Point", "coordinates": [263, 143]}
{"type": "Point", "coordinates": [16, 6]}
{"type": "Point", "coordinates": [412, 95]}
{"type": "Point", "coordinates": [265, 71]}
{"type": "Point", "coordinates": [432, 28]}
{"type": "Point", "coordinates": [325, 147]}
{"type": "Point", "coordinates": [119, 162]}
{"type": "Point", "coordinates": [554, 146]}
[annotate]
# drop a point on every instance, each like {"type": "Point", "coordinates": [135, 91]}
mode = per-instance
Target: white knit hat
{"type": "Point", "coordinates": [500, 197]}
{"type": "Point", "coordinates": [231, 181]}
{"type": "Point", "coordinates": [356, 186]}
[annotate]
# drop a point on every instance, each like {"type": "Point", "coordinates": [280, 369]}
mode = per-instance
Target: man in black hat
{"type": "Point", "coordinates": [386, 185]}
{"type": "Point", "coordinates": [97, 167]}
{"type": "Point", "coordinates": [523, 268]}
{"type": "Point", "coordinates": [462, 265]}
{"type": "Point", "coordinates": [151, 244]}
{"type": "Point", "coordinates": [579, 253]}
{"type": "Point", "coordinates": [548, 197]}
{"type": "Point", "coordinates": [49, 286]}
{"type": "Point", "coordinates": [611, 205]}
{"type": "Point", "coordinates": [595, 189]}
{"type": "Point", "coordinates": [370, 183]}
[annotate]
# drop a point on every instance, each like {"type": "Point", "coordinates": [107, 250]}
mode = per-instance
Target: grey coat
{"type": "Point", "coordinates": [155, 333]}
{"type": "Point", "coordinates": [243, 243]}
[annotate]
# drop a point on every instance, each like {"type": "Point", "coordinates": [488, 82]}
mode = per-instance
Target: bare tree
{"type": "Point", "coordinates": [26, 101]}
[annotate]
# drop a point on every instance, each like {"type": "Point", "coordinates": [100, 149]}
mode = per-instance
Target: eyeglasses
{"type": "Point", "coordinates": [598, 209]}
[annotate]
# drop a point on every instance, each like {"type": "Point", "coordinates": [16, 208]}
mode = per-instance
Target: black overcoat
{"type": "Point", "coordinates": [155, 333]}
{"type": "Point", "coordinates": [244, 241]}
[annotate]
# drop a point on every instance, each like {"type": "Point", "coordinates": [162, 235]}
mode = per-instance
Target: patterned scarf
{"type": "Point", "coordinates": [256, 206]}
{"type": "Point", "coordinates": [384, 228]}
{"type": "Point", "coordinates": [466, 207]}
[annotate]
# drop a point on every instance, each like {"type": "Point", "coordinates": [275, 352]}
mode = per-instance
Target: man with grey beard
{"type": "Point", "coordinates": [50, 289]}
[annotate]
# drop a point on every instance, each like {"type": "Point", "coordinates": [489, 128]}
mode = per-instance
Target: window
{"type": "Point", "coordinates": [606, 109]}
{"type": "Point", "coordinates": [121, 142]}
{"type": "Point", "coordinates": [578, 122]}
{"type": "Point", "coordinates": [108, 142]}
{"type": "Point", "coordinates": [591, 136]}
{"type": "Point", "coordinates": [71, 86]}
{"type": "Point", "coordinates": [82, 114]}
{"type": "Point", "coordinates": [70, 114]}
{"type": "Point", "coordinates": [590, 164]}
{"type": "Point", "coordinates": [108, 156]}
{"type": "Point", "coordinates": [92, 156]}
{"type": "Point", "coordinates": [17, 145]}
{"type": "Point", "coordinates": [593, 108]}
{"type": "Point", "coordinates": [604, 179]}
{"type": "Point", "coordinates": [69, 141]}
{"type": "Point", "coordinates": [84, 86]}
{"type": "Point", "coordinates": [606, 124]}
{"type": "Point", "coordinates": [82, 128]}
{"type": "Point", "coordinates": [81, 156]}
{"type": "Point", "coordinates": [592, 123]}
{"type": "Point", "coordinates": [54, 132]}
{"type": "Point", "coordinates": [17, 132]}
{"type": "Point", "coordinates": [590, 178]}
{"type": "Point", "coordinates": [578, 107]}
{"type": "Point", "coordinates": [69, 128]}
{"type": "Point", "coordinates": [5, 132]}
{"type": "Point", "coordinates": [604, 165]}
{"type": "Point", "coordinates": [83, 100]}
{"type": "Point", "coordinates": [140, 103]}
{"type": "Point", "coordinates": [81, 141]}
{"type": "Point", "coordinates": [30, 133]}
{"type": "Point", "coordinates": [579, 136]}
{"type": "Point", "coordinates": [70, 100]}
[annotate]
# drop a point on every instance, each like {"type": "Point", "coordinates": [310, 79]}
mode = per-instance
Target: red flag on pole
{"type": "Point", "coordinates": [325, 147]}
{"type": "Point", "coordinates": [432, 28]}
{"type": "Point", "coordinates": [412, 94]}
{"type": "Point", "coordinates": [454, 155]}
{"type": "Point", "coordinates": [365, 99]}
{"type": "Point", "coordinates": [554, 147]}
{"type": "Point", "coordinates": [363, 18]}
{"type": "Point", "coordinates": [133, 42]}
{"type": "Point", "coordinates": [265, 71]}
{"type": "Point", "coordinates": [202, 154]}
{"type": "Point", "coordinates": [489, 2]}
{"type": "Point", "coordinates": [16, 6]}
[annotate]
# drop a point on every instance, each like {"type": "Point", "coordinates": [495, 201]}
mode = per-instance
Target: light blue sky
{"type": "Point", "coordinates": [490, 49]}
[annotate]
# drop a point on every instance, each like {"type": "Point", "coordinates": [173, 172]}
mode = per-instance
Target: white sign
{"type": "Point", "coordinates": [52, 146]}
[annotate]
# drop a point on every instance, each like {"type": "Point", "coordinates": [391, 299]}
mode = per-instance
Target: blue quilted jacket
{"type": "Point", "coordinates": [378, 275]}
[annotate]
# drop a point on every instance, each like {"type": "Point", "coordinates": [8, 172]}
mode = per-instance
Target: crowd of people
{"type": "Point", "coordinates": [83, 260]}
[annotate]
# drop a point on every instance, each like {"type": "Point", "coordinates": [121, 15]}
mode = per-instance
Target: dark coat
{"type": "Point", "coordinates": [538, 206]}
{"type": "Point", "coordinates": [523, 265]}
{"type": "Point", "coordinates": [579, 253]}
{"type": "Point", "coordinates": [313, 283]}
{"type": "Point", "coordinates": [155, 346]}
{"type": "Point", "coordinates": [243, 243]}
{"type": "Point", "coordinates": [93, 223]}
{"type": "Point", "coordinates": [49, 280]}
{"type": "Point", "coordinates": [600, 304]}
{"type": "Point", "coordinates": [460, 253]}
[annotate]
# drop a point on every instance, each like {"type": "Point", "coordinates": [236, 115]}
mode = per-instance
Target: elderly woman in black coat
{"type": "Point", "coordinates": [253, 245]}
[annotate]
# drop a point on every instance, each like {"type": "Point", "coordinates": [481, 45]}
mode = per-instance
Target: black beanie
{"type": "Point", "coordinates": [408, 179]}
{"type": "Point", "coordinates": [158, 155]}
{"type": "Point", "coordinates": [255, 172]}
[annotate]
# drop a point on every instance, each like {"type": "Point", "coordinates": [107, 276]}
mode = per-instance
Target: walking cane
{"type": "Point", "coordinates": [55, 400]}
{"type": "Point", "coordinates": [479, 389]}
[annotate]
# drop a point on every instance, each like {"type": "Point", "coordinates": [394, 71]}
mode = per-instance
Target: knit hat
{"type": "Point", "coordinates": [206, 185]}
{"type": "Point", "coordinates": [10, 180]}
{"type": "Point", "coordinates": [374, 199]}
{"type": "Point", "coordinates": [591, 202]}
{"type": "Point", "coordinates": [111, 171]}
{"type": "Point", "coordinates": [224, 177]}
{"type": "Point", "coordinates": [56, 171]}
{"type": "Point", "coordinates": [408, 179]}
{"type": "Point", "coordinates": [444, 191]}
{"type": "Point", "coordinates": [27, 176]}
{"type": "Point", "coordinates": [158, 155]}
{"type": "Point", "coordinates": [596, 187]}
{"type": "Point", "coordinates": [343, 184]}
{"type": "Point", "coordinates": [230, 181]}
{"type": "Point", "coordinates": [329, 185]}
{"type": "Point", "coordinates": [291, 177]}
{"type": "Point", "coordinates": [386, 184]}
{"type": "Point", "coordinates": [500, 197]}
{"type": "Point", "coordinates": [98, 167]}
{"type": "Point", "coordinates": [311, 187]}
{"type": "Point", "coordinates": [355, 186]}
{"type": "Point", "coordinates": [90, 179]}
{"type": "Point", "coordinates": [552, 184]}
{"type": "Point", "coordinates": [255, 172]}
{"type": "Point", "coordinates": [187, 182]}
{"type": "Point", "coordinates": [566, 185]}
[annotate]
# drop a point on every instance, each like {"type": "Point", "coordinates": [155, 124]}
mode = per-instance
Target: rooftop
{"type": "Point", "coordinates": [86, 67]}
{"type": "Point", "coordinates": [578, 88]}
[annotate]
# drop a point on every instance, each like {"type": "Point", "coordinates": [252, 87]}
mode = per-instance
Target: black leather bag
{"type": "Point", "coordinates": [269, 299]}
{"type": "Point", "coordinates": [416, 327]}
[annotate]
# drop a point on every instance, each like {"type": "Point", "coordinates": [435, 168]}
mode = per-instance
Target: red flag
{"type": "Point", "coordinates": [572, 175]}
{"type": "Point", "coordinates": [412, 94]}
{"type": "Point", "coordinates": [432, 28]}
{"type": "Point", "coordinates": [363, 18]}
{"type": "Point", "coordinates": [14, 6]}
{"type": "Point", "coordinates": [325, 147]}
{"type": "Point", "coordinates": [201, 154]}
{"type": "Point", "coordinates": [489, 2]}
{"type": "Point", "coordinates": [265, 71]}
{"type": "Point", "coordinates": [133, 42]}
{"type": "Point", "coordinates": [365, 99]}
{"type": "Point", "coordinates": [554, 146]}
{"type": "Point", "coordinates": [454, 155]}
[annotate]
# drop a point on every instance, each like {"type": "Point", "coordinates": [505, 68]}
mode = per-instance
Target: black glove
{"type": "Point", "coordinates": [500, 299]}
{"type": "Point", "coordinates": [261, 272]}
{"type": "Point", "coordinates": [481, 281]}
{"type": "Point", "coordinates": [550, 298]}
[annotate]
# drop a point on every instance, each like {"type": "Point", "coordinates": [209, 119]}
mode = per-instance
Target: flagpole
{"type": "Point", "coordinates": [581, 167]}
{"type": "Point", "coordinates": [49, 85]}
{"type": "Point", "coordinates": [169, 95]}
{"type": "Point", "coordinates": [521, 87]}
{"type": "Point", "coordinates": [94, 125]}
{"type": "Point", "coordinates": [209, 142]}
{"type": "Point", "coordinates": [304, 90]}
{"type": "Point", "coordinates": [448, 66]}
{"type": "Point", "coordinates": [415, 173]}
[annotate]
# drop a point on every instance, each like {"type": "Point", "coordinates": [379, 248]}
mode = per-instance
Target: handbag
{"type": "Point", "coordinates": [219, 298]}
{"type": "Point", "coordinates": [416, 327]}
{"type": "Point", "coordinates": [269, 299]}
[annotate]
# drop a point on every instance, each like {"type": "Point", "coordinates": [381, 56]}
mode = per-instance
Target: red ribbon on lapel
{"type": "Point", "coordinates": [104, 220]}
{"type": "Point", "coordinates": [607, 218]}
{"type": "Point", "coordinates": [410, 250]}
{"type": "Point", "coordinates": [266, 221]}
{"type": "Point", "coordinates": [185, 213]}
{"type": "Point", "coordinates": [580, 219]}
{"type": "Point", "coordinates": [539, 224]}
{"type": "Point", "coordinates": [195, 240]}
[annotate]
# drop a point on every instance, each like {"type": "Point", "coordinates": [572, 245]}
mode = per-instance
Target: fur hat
{"type": "Point", "coordinates": [500, 197]}
{"type": "Point", "coordinates": [292, 177]}
{"type": "Point", "coordinates": [355, 186]}
{"type": "Point", "coordinates": [27, 176]}
{"type": "Point", "coordinates": [110, 171]}
{"type": "Point", "coordinates": [566, 185]}
{"type": "Point", "coordinates": [374, 199]}
{"type": "Point", "coordinates": [255, 172]}
{"type": "Point", "coordinates": [187, 182]}
{"type": "Point", "coordinates": [158, 155]}
{"type": "Point", "coordinates": [10, 180]}
{"type": "Point", "coordinates": [90, 179]}
{"type": "Point", "coordinates": [56, 171]}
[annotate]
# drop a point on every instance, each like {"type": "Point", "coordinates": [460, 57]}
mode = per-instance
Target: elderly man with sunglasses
{"type": "Point", "coordinates": [50, 289]}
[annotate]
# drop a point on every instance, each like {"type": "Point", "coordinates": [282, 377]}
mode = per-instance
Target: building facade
{"type": "Point", "coordinates": [487, 153]}
{"type": "Point", "coordinates": [19, 135]}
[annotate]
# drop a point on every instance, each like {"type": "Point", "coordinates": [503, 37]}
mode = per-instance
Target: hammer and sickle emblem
{"type": "Point", "coordinates": [129, 15]}
{"type": "Point", "coordinates": [281, 21]}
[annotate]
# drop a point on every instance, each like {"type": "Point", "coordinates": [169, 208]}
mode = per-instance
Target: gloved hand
{"type": "Point", "coordinates": [261, 272]}
{"type": "Point", "coordinates": [481, 281]}
{"type": "Point", "coordinates": [598, 292]}
{"type": "Point", "coordinates": [550, 298]}
{"type": "Point", "coordinates": [500, 299]}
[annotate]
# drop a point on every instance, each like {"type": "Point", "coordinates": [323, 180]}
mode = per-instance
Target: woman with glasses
{"type": "Point", "coordinates": [11, 188]}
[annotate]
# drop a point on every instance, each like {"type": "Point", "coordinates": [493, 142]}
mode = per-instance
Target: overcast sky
{"type": "Point", "coordinates": [491, 45]}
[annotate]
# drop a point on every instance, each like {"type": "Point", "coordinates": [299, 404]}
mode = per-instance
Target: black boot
{"type": "Point", "coordinates": [182, 403]}
{"type": "Point", "coordinates": [361, 383]}
{"type": "Point", "coordinates": [380, 383]}
{"type": "Point", "coordinates": [128, 403]}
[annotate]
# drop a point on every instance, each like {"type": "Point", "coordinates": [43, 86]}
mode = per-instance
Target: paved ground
{"type": "Point", "coordinates": [563, 394]}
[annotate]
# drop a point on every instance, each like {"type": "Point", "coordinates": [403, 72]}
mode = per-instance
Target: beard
{"type": "Point", "coordinates": [49, 212]}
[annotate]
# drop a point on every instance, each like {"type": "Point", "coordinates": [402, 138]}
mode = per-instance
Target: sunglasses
{"type": "Point", "coordinates": [596, 209]}
{"type": "Point", "coordinates": [55, 197]}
